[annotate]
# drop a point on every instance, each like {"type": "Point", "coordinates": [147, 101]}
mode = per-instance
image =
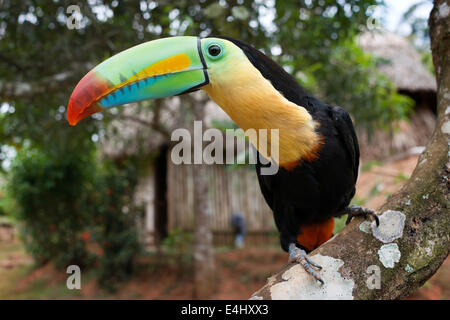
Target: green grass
{"type": "Point", "coordinates": [357, 201]}
{"type": "Point", "coordinates": [40, 289]}
{"type": "Point", "coordinates": [6, 249]}
{"type": "Point", "coordinates": [11, 279]}
{"type": "Point", "coordinates": [369, 165]}
{"type": "Point", "coordinates": [6, 220]}
{"type": "Point", "coordinates": [401, 177]}
{"type": "Point", "coordinates": [339, 224]}
{"type": "Point", "coordinates": [375, 190]}
{"type": "Point", "coordinates": [34, 290]}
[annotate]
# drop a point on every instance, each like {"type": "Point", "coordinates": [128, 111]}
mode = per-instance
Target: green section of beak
{"type": "Point", "coordinates": [155, 69]}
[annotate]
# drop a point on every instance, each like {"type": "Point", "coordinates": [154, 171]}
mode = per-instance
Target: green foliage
{"type": "Point", "coordinates": [178, 248]}
{"type": "Point", "coordinates": [357, 201]}
{"type": "Point", "coordinates": [369, 96]}
{"type": "Point", "coordinates": [51, 205]}
{"type": "Point", "coordinates": [368, 165]}
{"type": "Point", "coordinates": [7, 204]}
{"type": "Point", "coordinates": [339, 224]}
{"type": "Point", "coordinates": [427, 60]}
{"type": "Point", "coordinates": [70, 203]}
{"type": "Point", "coordinates": [401, 177]}
{"type": "Point", "coordinates": [116, 217]}
{"type": "Point", "coordinates": [309, 30]}
{"type": "Point", "coordinates": [376, 189]}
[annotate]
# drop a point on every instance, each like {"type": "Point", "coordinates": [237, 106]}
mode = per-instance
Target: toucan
{"type": "Point", "coordinates": [318, 153]}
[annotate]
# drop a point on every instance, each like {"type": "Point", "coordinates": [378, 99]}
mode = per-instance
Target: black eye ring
{"type": "Point", "coordinates": [214, 50]}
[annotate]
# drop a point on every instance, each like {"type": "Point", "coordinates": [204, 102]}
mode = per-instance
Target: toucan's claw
{"type": "Point", "coordinates": [300, 256]}
{"type": "Point", "coordinates": [354, 211]}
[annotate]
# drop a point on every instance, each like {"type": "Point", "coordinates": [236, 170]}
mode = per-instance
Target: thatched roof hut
{"type": "Point", "coordinates": [402, 64]}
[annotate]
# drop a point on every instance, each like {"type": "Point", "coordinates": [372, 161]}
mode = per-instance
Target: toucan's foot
{"type": "Point", "coordinates": [354, 211]}
{"type": "Point", "coordinates": [300, 256]}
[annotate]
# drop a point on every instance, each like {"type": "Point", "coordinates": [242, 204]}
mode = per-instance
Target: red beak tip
{"type": "Point", "coordinates": [77, 113]}
{"type": "Point", "coordinates": [71, 117]}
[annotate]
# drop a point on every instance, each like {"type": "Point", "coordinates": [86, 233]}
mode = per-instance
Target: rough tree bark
{"type": "Point", "coordinates": [390, 262]}
{"type": "Point", "coordinates": [204, 261]}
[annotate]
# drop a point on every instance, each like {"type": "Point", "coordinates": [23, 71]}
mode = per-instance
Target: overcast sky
{"type": "Point", "coordinates": [395, 10]}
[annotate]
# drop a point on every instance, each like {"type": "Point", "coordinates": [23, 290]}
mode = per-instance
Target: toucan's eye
{"type": "Point", "coordinates": [214, 50]}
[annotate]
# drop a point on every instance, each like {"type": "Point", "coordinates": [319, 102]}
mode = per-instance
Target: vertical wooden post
{"type": "Point", "coordinates": [204, 260]}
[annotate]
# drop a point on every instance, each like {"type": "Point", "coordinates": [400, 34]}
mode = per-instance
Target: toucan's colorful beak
{"type": "Point", "coordinates": [154, 69]}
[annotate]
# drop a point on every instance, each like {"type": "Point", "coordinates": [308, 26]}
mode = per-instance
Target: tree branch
{"type": "Point", "coordinates": [154, 124]}
{"type": "Point", "coordinates": [390, 262]}
{"type": "Point", "coordinates": [21, 90]}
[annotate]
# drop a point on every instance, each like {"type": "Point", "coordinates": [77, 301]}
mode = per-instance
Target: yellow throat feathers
{"type": "Point", "coordinates": [253, 103]}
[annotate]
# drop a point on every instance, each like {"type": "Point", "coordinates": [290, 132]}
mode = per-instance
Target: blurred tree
{"type": "Point", "coordinates": [53, 211]}
{"type": "Point", "coordinates": [204, 262]}
{"type": "Point", "coordinates": [68, 204]}
{"type": "Point", "coordinates": [116, 216]}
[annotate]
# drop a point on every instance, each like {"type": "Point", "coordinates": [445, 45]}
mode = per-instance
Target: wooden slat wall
{"type": "Point", "coordinates": [230, 191]}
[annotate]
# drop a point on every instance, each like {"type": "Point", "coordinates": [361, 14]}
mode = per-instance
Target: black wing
{"type": "Point", "coordinates": [346, 133]}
